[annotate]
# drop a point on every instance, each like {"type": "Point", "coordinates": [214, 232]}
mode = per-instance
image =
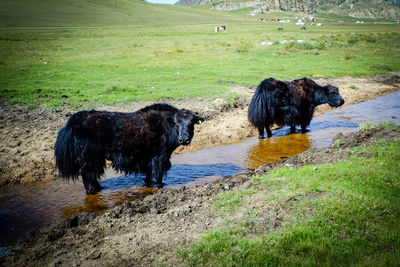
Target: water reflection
{"type": "Point", "coordinates": [275, 149]}
{"type": "Point", "coordinates": [106, 199]}
{"type": "Point", "coordinates": [122, 188]}
{"type": "Point", "coordinates": [179, 174]}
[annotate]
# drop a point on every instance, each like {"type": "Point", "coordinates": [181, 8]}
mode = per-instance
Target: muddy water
{"type": "Point", "coordinates": [25, 207]}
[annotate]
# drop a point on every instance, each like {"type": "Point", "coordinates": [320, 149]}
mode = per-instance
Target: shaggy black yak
{"type": "Point", "coordinates": [138, 142]}
{"type": "Point", "coordinates": [289, 103]}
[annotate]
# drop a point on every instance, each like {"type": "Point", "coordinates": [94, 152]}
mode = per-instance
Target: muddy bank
{"type": "Point", "coordinates": [28, 136]}
{"type": "Point", "coordinates": [149, 232]}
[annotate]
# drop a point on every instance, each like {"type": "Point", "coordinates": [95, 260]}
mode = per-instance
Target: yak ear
{"type": "Point", "coordinates": [331, 87]}
{"type": "Point", "coordinates": [327, 89]}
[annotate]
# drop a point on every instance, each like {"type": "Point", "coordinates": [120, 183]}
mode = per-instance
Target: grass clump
{"type": "Point", "coordinates": [352, 41]}
{"type": "Point", "coordinates": [244, 47]}
{"type": "Point", "coordinates": [385, 124]}
{"type": "Point", "coordinates": [230, 200]}
{"type": "Point", "coordinates": [353, 220]}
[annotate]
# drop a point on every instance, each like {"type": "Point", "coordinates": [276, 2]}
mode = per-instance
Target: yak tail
{"type": "Point", "coordinates": [259, 110]}
{"type": "Point", "coordinates": [65, 153]}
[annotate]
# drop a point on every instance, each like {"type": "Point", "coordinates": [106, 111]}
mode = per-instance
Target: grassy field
{"type": "Point", "coordinates": [132, 50]}
{"type": "Point", "coordinates": [344, 214]}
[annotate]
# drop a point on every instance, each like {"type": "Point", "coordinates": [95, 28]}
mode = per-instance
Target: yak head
{"type": "Point", "coordinates": [184, 122]}
{"type": "Point", "coordinates": [334, 99]}
{"type": "Point", "coordinates": [323, 94]}
{"type": "Point", "coordinates": [328, 95]}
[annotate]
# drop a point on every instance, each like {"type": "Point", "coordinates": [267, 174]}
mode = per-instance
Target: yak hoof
{"type": "Point", "coordinates": [93, 191]}
{"type": "Point", "coordinates": [261, 137]}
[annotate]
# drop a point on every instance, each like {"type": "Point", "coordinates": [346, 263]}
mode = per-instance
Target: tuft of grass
{"type": "Point", "coordinates": [381, 67]}
{"type": "Point", "coordinates": [244, 47]}
{"type": "Point", "coordinates": [348, 57]}
{"type": "Point", "coordinates": [230, 200]}
{"type": "Point", "coordinates": [389, 124]}
{"type": "Point", "coordinates": [368, 125]}
{"type": "Point", "coordinates": [355, 221]}
{"type": "Point", "coordinates": [353, 87]}
{"type": "Point", "coordinates": [385, 124]}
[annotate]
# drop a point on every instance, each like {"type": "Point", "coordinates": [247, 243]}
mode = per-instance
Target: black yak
{"type": "Point", "coordinates": [289, 103]}
{"type": "Point", "coordinates": [140, 142]}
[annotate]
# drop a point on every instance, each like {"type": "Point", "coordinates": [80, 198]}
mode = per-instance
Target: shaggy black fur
{"type": "Point", "coordinates": [289, 103]}
{"type": "Point", "coordinates": [138, 142]}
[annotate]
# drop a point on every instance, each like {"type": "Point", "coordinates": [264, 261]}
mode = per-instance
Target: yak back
{"type": "Point", "coordinates": [303, 91]}
{"type": "Point", "coordinates": [159, 107]}
{"type": "Point", "coordinates": [116, 128]}
{"type": "Point", "coordinates": [125, 131]}
{"type": "Point", "coordinates": [283, 103]}
{"type": "Point", "coordinates": [129, 140]}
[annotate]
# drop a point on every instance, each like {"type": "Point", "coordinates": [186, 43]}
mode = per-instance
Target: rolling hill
{"type": "Point", "coordinates": [45, 13]}
{"type": "Point", "coordinates": [353, 8]}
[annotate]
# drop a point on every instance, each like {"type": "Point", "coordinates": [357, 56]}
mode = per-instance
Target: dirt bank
{"type": "Point", "coordinates": [149, 232]}
{"type": "Point", "coordinates": [28, 136]}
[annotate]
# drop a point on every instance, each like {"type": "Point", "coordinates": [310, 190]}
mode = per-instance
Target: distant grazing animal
{"type": "Point", "coordinates": [289, 103]}
{"type": "Point", "coordinates": [280, 29]}
{"type": "Point", "coordinates": [303, 28]}
{"type": "Point", "coordinates": [138, 142]}
{"type": "Point", "coordinates": [220, 28]}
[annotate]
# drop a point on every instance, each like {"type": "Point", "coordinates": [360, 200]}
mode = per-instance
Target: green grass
{"type": "Point", "coordinates": [99, 13]}
{"type": "Point", "coordinates": [230, 200]}
{"type": "Point", "coordinates": [105, 52]}
{"type": "Point", "coordinates": [348, 213]}
{"type": "Point", "coordinates": [384, 124]}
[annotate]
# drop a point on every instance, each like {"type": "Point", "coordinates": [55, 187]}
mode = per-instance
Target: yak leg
{"type": "Point", "coordinates": [293, 128]}
{"type": "Point", "coordinates": [159, 168]}
{"type": "Point", "coordinates": [90, 179]}
{"type": "Point", "coordinates": [304, 128]}
{"type": "Point", "coordinates": [92, 168]}
{"type": "Point", "coordinates": [156, 170]}
{"type": "Point", "coordinates": [269, 133]}
{"type": "Point", "coordinates": [261, 132]}
{"type": "Point", "coordinates": [159, 180]}
{"type": "Point", "coordinates": [149, 176]}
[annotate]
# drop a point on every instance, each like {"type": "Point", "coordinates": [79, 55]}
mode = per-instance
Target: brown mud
{"type": "Point", "coordinates": [28, 136]}
{"type": "Point", "coordinates": [149, 232]}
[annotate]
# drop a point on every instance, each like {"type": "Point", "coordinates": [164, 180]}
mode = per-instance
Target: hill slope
{"type": "Point", "coordinates": [25, 13]}
{"type": "Point", "coordinates": [354, 8]}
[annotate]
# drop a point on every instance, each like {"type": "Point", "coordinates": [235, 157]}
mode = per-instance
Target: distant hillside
{"type": "Point", "coordinates": [354, 8]}
{"type": "Point", "coordinates": [59, 13]}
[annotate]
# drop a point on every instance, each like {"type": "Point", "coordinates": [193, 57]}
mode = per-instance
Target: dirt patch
{"type": "Point", "coordinates": [28, 136]}
{"type": "Point", "coordinates": [148, 232]}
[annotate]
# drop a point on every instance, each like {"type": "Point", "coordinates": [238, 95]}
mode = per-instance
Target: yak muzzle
{"type": "Point", "coordinates": [184, 140]}
{"type": "Point", "coordinates": [339, 102]}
